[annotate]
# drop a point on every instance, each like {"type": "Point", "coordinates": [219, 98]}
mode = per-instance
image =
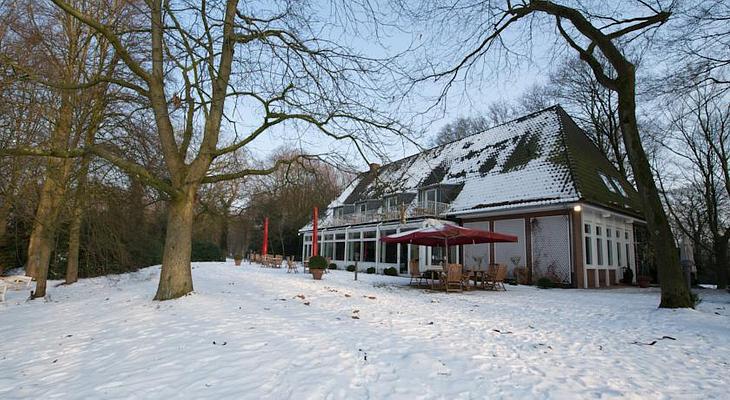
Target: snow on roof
{"type": "Point", "coordinates": [511, 162]}
{"type": "Point", "coordinates": [524, 162]}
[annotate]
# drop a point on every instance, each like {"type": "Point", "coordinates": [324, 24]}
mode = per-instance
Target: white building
{"type": "Point", "coordinates": [538, 177]}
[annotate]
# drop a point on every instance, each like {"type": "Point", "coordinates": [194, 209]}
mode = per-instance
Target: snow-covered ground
{"type": "Point", "coordinates": [256, 333]}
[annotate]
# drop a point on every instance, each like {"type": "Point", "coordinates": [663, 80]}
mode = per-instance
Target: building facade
{"type": "Point", "coordinates": [539, 178]}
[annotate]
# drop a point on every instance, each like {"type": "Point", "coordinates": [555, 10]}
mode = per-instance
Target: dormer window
{"type": "Point", "coordinates": [429, 196]}
{"type": "Point", "coordinates": [391, 203]}
{"type": "Point", "coordinates": [612, 184]}
{"type": "Point", "coordinates": [362, 208]}
{"type": "Point", "coordinates": [618, 186]}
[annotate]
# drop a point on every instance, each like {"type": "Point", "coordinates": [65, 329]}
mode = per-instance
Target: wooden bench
{"type": "Point", "coordinates": [15, 282]}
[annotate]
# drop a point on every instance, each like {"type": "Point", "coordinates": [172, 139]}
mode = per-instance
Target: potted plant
{"type": "Point", "coordinates": [317, 264]}
{"type": "Point", "coordinates": [237, 258]}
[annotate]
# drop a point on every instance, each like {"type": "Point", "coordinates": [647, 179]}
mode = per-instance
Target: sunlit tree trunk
{"type": "Point", "coordinates": [52, 196]}
{"type": "Point", "coordinates": [74, 231]}
{"type": "Point", "coordinates": [176, 276]}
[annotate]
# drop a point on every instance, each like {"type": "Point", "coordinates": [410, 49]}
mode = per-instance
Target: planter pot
{"type": "Point", "coordinates": [643, 281]}
{"type": "Point", "coordinates": [238, 262]}
{"type": "Point", "coordinates": [316, 273]}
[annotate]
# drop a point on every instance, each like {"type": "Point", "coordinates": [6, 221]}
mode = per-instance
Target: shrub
{"type": "Point", "coordinates": [544, 283]}
{"type": "Point", "coordinates": [332, 266]}
{"type": "Point", "coordinates": [206, 251]}
{"type": "Point", "coordinates": [370, 270]}
{"type": "Point", "coordinates": [351, 268]}
{"type": "Point", "coordinates": [317, 262]}
{"type": "Point", "coordinates": [390, 271]}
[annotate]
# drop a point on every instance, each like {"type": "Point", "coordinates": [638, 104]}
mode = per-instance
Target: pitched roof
{"type": "Point", "coordinates": [541, 158]}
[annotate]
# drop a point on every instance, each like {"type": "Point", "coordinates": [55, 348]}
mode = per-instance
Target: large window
{"type": "Point", "coordinates": [353, 251]}
{"type": "Point", "coordinates": [599, 246]}
{"type": "Point", "coordinates": [609, 247]}
{"type": "Point", "coordinates": [588, 244]}
{"type": "Point", "coordinates": [340, 251]}
{"type": "Point", "coordinates": [388, 251]}
{"type": "Point", "coordinates": [368, 251]}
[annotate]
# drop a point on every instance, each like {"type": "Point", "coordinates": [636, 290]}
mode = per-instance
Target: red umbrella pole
{"type": "Point", "coordinates": [265, 246]}
{"type": "Point", "coordinates": [315, 246]}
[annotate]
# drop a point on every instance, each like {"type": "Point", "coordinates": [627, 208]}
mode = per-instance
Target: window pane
{"type": "Point", "coordinates": [599, 251]}
{"type": "Point", "coordinates": [354, 235]}
{"type": "Point", "coordinates": [391, 253]}
{"type": "Point", "coordinates": [618, 255]}
{"type": "Point", "coordinates": [609, 251]}
{"type": "Point", "coordinates": [598, 230]}
{"type": "Point", "coordinates": [340, 251]}
{"type": "Point", "coordinates": [340, 236]}
{"type": "Point", "coordinates": [369, 234]}
{"type": "Point", "coordinates": [368, 251]}
{"type": "Point", "coordinates": [353, 251]}
{"type": "Point", "coordinates": [589, 253]}
{"type": "Point", "coordinates": [587, 228]}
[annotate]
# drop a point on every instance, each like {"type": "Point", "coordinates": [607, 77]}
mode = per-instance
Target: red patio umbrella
{"type": "Point", "coordinates": [444, 234]}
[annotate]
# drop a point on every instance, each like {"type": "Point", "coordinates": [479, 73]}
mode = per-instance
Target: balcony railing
{"type": "Point", "coordinates": [421, 209]}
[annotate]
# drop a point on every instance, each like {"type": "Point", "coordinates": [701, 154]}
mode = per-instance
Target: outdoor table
{"type": "Point", "coordinates": [437, 271]}
{"type": "Point", "coordinates": [478, 273]}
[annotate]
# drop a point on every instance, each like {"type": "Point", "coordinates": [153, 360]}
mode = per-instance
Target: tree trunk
{"type": "Point", "coordinates": [43, 236]}
{"type": "Point", "coordinates": [675, 293]}
{"type": "Point", "coordinates": [74, 236]}
{"type": "Point", "coordinates": [4, 214]}
{"type": "Point", "coordinates": [721, 260]}
{"type": "Point", "coordinates": [176, 276]}
{"type": "Point", "coordinates": [74, 231]}
{"type": "Point", "coordinates": [223, 239]}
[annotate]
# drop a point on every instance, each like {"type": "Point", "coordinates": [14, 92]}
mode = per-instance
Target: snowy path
{"type": "Point", "coordinates": [245, 333]}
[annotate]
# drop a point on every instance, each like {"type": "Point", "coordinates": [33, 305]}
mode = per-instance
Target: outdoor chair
{"type": "Point", "coordinates": [416, 274]}
{"type": "Point", "coordinates": [305, 263]}
{"type": "Point", "coordinates": [291, 266]}
{"type": "Point", "coordinates": [454, 278]}
{"type": "Point", "coordinates": [496, 281]}
{"type": "Point", "coordinates": [15, 282]}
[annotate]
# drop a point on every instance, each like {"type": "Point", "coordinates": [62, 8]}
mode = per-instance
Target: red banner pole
{"type": "Point", "coordinates": [315, 245]}
{"type": "Point", "coordinates": [265, 246]}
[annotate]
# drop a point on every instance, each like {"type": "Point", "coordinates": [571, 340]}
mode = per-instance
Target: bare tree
{"type": "Point", "coordinates": [460, 128]}
{"type": "Point", "coordinates": [64, 51]}
{"type": "Point", "coordinates": [699, 51]}
{"type": "Point", "coordinates": [700, 141]}
{"type": "Point", "coordinates": [195, 64]}
{"type": "Point", "coordinates": [598, 37]}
